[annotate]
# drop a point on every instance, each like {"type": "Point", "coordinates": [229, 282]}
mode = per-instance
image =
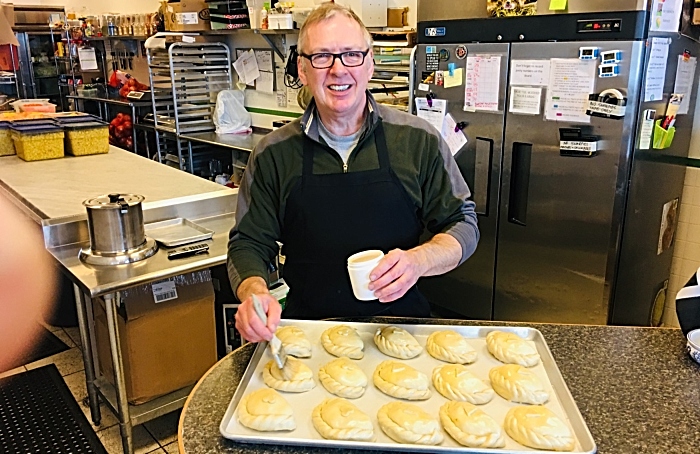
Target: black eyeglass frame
{"type": "Point", "coordinates": [337, 56]}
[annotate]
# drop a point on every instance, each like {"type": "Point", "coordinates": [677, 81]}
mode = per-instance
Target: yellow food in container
{"type": "Point", "coordinates": [87, 138]}
{"type": "Point", "coordinates": [7, 147]}
{"type": "Point", "coordinates": [38, 142]}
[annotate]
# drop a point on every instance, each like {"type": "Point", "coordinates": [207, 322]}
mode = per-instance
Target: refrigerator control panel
{"type": "Point", "coordinates": [600, 26]}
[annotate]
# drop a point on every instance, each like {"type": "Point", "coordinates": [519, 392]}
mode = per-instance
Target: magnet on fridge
{"type": "Point", "coordinates": [609, 103]}
{"type": "Point", "coordinates": [444, 54]}
{"type": "Point", "coordinates": [429, 97]}
{"type": "Point", "coordinates": [461, 52]}
{"type": "Point", "coordinates": [460, 126]}
{"type": "Point", "coordinates": [611, 56]}
{"type": "Point", "coordinates": [588, 53]}
{"type": "Point", "coordinates": [431, 49]}
{"type": "Point", "coordinates": [612, 70]}
{"type": "Point", "coordinates": [451, 68]}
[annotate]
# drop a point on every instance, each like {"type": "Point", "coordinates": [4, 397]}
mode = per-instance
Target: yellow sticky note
{"type": "Point", "coordinates": [455, 80]}
{"type": "Point", "coordinates": [557, 5]}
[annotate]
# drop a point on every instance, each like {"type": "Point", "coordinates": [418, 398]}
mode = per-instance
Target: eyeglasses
{"type": "Point", "coordinates": [324, 60]}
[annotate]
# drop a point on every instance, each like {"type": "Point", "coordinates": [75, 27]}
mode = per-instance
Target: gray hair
{"type": "Point", "coordinates": [326, 11]}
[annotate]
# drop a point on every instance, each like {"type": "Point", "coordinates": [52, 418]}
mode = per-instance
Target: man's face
{"type": "Point", "coordinates": [339, 89]}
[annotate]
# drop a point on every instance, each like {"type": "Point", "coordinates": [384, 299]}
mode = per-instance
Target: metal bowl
{"type": "Point", "coordinates": [693, 345]}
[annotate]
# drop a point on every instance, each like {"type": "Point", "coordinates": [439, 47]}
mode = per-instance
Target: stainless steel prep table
{"type": "Point", "coordinates": [241, 142]}
{"type": "Point", "coordinates": [51, 193]}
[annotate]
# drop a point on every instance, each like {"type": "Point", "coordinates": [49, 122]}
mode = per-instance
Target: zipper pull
{"type": "Point", "coordinates": [345, 167]}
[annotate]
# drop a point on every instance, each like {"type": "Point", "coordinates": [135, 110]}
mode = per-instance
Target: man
{"type": "Point", "coordinates": [350, 175]}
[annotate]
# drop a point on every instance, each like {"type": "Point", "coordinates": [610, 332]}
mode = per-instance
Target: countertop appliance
{"type": "Point", "coordinates": [572, 207]}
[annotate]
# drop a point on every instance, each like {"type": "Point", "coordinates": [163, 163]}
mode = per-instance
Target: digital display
{"type": "Point", "coordinates": [587, 52]}
{"type": "Point", "coordinates": [610, 25]}
{"type": "Point", "coordinates": [606, 69]}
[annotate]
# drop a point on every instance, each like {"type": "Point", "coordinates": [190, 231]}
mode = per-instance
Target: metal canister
{"type": "Point", "coordinates": [115, 223]}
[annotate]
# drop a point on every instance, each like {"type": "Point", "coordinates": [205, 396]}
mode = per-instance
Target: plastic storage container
{"type": "Point", "coordinates": [86, 138]}
{"type": "Point", "coordinates": [226, 7]}
{"type": "Point", "coordinates": [7, 147]}
{"type": "Point", "coordinates": [280, 21]}
{"type": "Point", "coordinates": [38, 142]}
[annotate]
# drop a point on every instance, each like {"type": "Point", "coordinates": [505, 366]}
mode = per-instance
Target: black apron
{"type": "Point", "coordinates": [330, 217]}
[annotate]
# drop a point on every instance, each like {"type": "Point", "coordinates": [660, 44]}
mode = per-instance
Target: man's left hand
{"type": "Point", "coordinates": [395, 274]}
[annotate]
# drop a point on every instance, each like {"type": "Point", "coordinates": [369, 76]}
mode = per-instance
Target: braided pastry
{"type": "Point", "coordinates": [401, 381]}
{"type": "Point", "coordinates": [266, 410]}
{"type": "Point", "coordinates": [343, 378]}
{"type": "Point", "coordinates": [539, 428]}
{"type": "Point", "coordinates": [302, 379]}
{"type": "Point", "coordinates": [518, 384]}
{"type": "Point", "coordinates": [397, 342]}
{"type": "Point", "coordinates": [294, 341]}
{"type": "Point", "coordinates": [455, 382]}
{"type": "Point", "coordinates": [342, 340]}
{"type": "Point", "coordinates": [407, 423]}
{"type": "Point", "coordinates": [338, 419]}
{"type": "Point", "coordinates": [510, 348]}
{"type": "Point", "coordinates": [470, 426]}
{"type": "Point", "coordinates": [451, 347]}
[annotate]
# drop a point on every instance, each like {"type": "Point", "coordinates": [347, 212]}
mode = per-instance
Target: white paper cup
{"type": "Point", "coordinates": [359, 267]}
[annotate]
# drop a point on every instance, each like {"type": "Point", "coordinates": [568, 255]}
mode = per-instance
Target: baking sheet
{"type": "Point", "coordinates": [561, 402]}
{"type": "Point", "coordinates": [176, 232]}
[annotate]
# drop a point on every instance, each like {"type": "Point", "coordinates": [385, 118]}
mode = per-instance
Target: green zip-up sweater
{"type": "Point", "coordinates": [418, 155]}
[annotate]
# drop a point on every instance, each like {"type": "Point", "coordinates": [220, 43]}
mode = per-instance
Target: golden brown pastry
{"type": "Point", "coordinates": [470, 426]}
{"type": "Point", "coordinates": [342, 340]}
{"type": "Point", "coordinates": [539, 428]}
{"type": "Point", "coordinates": [338, 419]}
{"type": "Point", "coordinates": [455, 382]}
{"type": "Point", "coordinates": [451, 347]}
{"type": "Point", "coordinates": [397, 342]}
{"type": "Point", "coordinates": [401, 380]}
{"type": "Point", "coordinates": [343, 378]}
{"type": "Point", "coordinates": [407, 423]}
{"type": "Point", "coordinates": [518, 384]}
{"type": "Point", "coordinates": [266, 410]}
{"type": "Point", "coordinates": [510, 348]}
{"type": "Point", "coordinates": [294, 341]}
{"type": "Point", "coordinates": [300, 376]}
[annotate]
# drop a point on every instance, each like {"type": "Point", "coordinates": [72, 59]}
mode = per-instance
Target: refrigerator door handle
{"type": "Point", "coordinates": [482, 175]}
{"type": "Point", "coordinates": [411, 80]}
{"type": "Point", "coordinates": [519, 183]}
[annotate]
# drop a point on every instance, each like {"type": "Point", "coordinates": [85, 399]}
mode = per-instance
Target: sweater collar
{"type": "Point", "coordinates": [310, 119]}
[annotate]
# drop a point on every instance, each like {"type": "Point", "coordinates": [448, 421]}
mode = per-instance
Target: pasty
{"type": "Point", "coordinates": [266, 410]}
{"type": "Point", "coordinates": [294, 341]}
{"type": "Point", "coordinates": [510, 348]}
{"type": "Point", "coordinates": [342, 340]}
{"type": "Point", "coordinates": [300, 376]}
{"type": "Point", "coordinates": [401, 380]}
{"type": "Point", "coordinates": [518, 384]}
{"type": "Point", "coordinates": [455, 382]}
{"type": "Point", "coordinates": [343, 378]}
{"type": "Point", "coordinates": [407, 423]}
{"type": "Point", "coordinates": [539, 428]}
{"type": "Point", "coordinates": [451, 347]}
{"type": "Point", "coordinates": [338, 419]}
{"type": "Point", "coordinates": [470, 426]}
{"type": "Point", "coordinates": [397, 342]}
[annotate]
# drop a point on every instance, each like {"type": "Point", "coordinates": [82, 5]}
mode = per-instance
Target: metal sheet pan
{"type": "Point", "coordinates": [176, 232]}
{"type": "Point", "coordinates": [561, 402]}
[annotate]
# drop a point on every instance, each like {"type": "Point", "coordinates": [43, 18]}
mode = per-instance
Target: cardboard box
{"type": "Point", "coordinates": [187, 16]}
{"type": "Point", "coordinates": [167, 334]}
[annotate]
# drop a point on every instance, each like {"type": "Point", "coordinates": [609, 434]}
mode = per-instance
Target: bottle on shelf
{"type": "Point", "coordinates": [264, 22]}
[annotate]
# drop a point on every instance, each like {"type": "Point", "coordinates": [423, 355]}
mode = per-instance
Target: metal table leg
{"type": "Point", "coordinates": [81, 302]}
{"type": "Point", "coordinates": [120, 384]}
{"type": "Point", "coordinates": [133, 130]}
{"type": "Point", "coordinates": [189, 156]}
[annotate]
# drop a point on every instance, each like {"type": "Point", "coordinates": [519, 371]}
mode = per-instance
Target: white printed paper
{"type": "Point", "coordinates": [247, 67]}
{"type": "Point", "coordinates": [666, 15]}
{"type": "Point", "coordinates": [525, 100]}
{"type": "Point", "coordinates": [570, 82]}
{"type": "Point", "coordinates": [187, 18]}
{"type": "Point", "coordinates": [266, 82]}
{"type": "Point", "coordinates": [264, 59]}
{"type": "Point", "coordinates": [88, 60]}
{"type": "Point", "coordinates": [656, 71]}
{"type": "Point", "coordinates": [423, 87]}
{"type": "Point", "coordinates": [530, 72]}
{"type": "Point", "coordinates": [434, 114]}
{"type": "Point", "coordinates": [455, 139]}
{"type": "Point", "coordinates": [647, 129]}
{"type": "Point", "coordinates": [685, 74]}
{"type": "Point", "coordinates": [164, 291]}
{"type": "Point", "coordinates": [482, 83]}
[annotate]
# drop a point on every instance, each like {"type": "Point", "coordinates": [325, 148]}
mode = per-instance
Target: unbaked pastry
{"type": "Point", "coordinates": [266, 410]}
{"type": "Point", "coordinates": [510, 348]}
{"type": "Point", "coordinates": [343, 378]}
{"type": "Point", "coordinates": [539, 428]}
{"type": "Point", "coordinates": [397, 342]}
{"type": "Point", "coordinates": [407, 423]}
{"type": "Point", "coordinates": [470, 426]}
{"type": "Point", "coordinates": [342, 340]}
{"type": "Point", "coordinates": [455, 382]}
{"type": "Point", "coordinates": [338, 419]}
{"type": "Point", "coordinates": [518, 384]}
{"type": "Point", "coordinates": [401, 380]}
{"type": "Point", "coordinates": [294, 341]}
{"type": "Point", "coordinates": [301, 377]}
{"type": "Point", "coordinates": [451, 347]}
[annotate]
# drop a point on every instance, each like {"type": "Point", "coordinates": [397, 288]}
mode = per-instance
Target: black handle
{"type": "Point", "coordinates": [519, 183]}
{"type": "Point", "coordinates": [482, 175]}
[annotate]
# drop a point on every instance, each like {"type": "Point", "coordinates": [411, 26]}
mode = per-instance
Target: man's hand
{"type": "Point", "coordinates": [248, 323]}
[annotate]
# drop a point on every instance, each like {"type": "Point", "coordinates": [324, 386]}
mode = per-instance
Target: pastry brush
{"type": "Point", "coordinates": [276, 348]}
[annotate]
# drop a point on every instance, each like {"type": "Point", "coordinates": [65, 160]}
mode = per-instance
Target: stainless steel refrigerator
{"type": "Point", "coordinates": [567, 235]}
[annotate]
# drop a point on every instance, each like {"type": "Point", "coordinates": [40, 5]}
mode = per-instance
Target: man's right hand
{"type": "Point", "coordinates": [248, 323]}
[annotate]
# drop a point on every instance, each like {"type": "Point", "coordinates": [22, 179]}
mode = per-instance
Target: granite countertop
{"type": "Point", "coordinates": [637, 389]}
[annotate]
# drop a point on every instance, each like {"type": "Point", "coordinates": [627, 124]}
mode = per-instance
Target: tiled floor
{"type": "Point", "coordinates": [157, 436]}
